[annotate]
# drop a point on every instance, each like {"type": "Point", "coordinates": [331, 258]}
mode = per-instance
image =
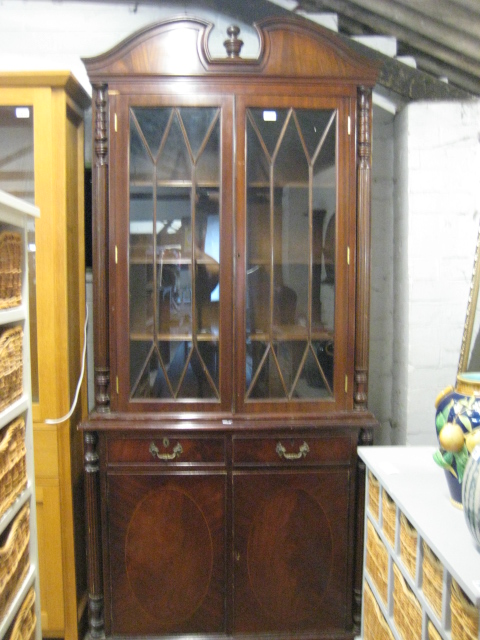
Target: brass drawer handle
{"type": "Point", "coordinates": [177, 451]}
{"type": "Point", "coordinates": [302, 452]}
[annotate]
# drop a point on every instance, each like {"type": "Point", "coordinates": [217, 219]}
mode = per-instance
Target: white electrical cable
{"type": "Point", "coordinates": [82, 373]}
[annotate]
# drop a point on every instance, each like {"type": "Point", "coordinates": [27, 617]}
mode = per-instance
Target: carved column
{"type": "Point", "coordinates": [96, 626]}
{"type": "Point", "coordinates": [364, 169]}
{"type": "Point", "coordinates": [365, 439]}
{"type": "Point", "coordinates": [100, 250]}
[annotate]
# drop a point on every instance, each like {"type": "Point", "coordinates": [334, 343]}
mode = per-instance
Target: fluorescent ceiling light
{"type": "Point", "coordinates": [270, 116]}
{"type": "Point", "coordinates": [22, 112]}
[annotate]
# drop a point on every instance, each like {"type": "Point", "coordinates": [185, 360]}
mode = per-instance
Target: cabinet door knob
{"type": "Point", "coordinates": [177, 451]}
{"type": "Point", "coordinates": [302, 452]}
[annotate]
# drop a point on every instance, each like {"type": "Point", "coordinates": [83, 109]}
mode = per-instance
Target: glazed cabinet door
{"type": "Point", "coordinates": [295, 274]}
{"type": "Point", "coordinates": [166, 553]}
{"type": "Point", "coordinates": [292, 538]}
{"type": "Point", "coordinates": [171, 299]}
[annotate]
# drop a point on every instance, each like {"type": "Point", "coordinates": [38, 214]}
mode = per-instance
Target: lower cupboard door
{"type": "Point", "coordinates": [292, 546]}
{"type": "Point", "coordinates": [166, 548]}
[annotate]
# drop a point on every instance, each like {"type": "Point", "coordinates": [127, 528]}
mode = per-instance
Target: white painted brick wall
{"type": "Point", "coordinates": [381, 306]}
{"type": "Point", "coordinates": [437, 205]}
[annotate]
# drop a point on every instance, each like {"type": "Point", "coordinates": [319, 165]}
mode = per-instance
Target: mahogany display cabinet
{"type": "Point", "coordinates": [231, 205]}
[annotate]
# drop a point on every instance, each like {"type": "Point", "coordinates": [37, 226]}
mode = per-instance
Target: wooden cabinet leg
{"type": "Point", "coordinates": [96, 625]}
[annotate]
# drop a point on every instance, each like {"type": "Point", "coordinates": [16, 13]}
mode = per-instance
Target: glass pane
{"type": "Point", "coordinates": [17, 178]}
{"type": "Point", "coordinates": [152, 123]}
{"type": "Point", "coordinates": [269, 124]}
{"type": "Point", "coordinates": [291, 230]}
{"type": "Point", "coordinates": [198, 382]}
{"type": "Point", "coordinates": [174, 162]}
{"type": "Point", "coordinates": [290, 297]}
{"type": "Point", "coordinates": [198, 124]}
{"type": "Point", "coordinates": [175, 252]}
{"type": "Point", "coordinates": [143, 273]}
{"type": "Point", "coordinates": [290, 356]}
{"type": "Point", "coordinates": [208, 162]}
{"type": "Point", "coordinates": [316, 379]}
{"type": "Point", "coordinates": [324, 205]}
{"type": "Point", "coordinates": [147, 368]}
{"type": "Point", "coordinates": [258, 300]}
{"type": "Point", "coordinates": [258, 167]}
{"type": "Point", "coordinates": [268, 381]}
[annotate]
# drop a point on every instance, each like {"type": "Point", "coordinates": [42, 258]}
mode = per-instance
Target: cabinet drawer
{"type": "Point", "coordinates": [288, 450]}
{"type": "Point", "coordinates": [166, 449]}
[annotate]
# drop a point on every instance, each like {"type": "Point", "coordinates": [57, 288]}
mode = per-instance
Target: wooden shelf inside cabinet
{"type": "Point", "coordinates": [142, 259]}
{"type": "Point", "coordinates": [18, 532]}
{"type": "Point", "coordinates": [292, 333]}
{"type": "Point", "coordinates": [138, 336]}
{"type": "Point", "coordinates": [417, 487]}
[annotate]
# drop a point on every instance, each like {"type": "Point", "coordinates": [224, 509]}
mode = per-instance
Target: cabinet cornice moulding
{"type": "Point", "coordinates": [180, 48]}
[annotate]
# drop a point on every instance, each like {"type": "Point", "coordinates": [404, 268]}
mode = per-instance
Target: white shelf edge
{"type": "Point", "coordinates": [12, 206]}
{"type": "Point", "coordinates": [14, 410]}
{"type": "Point", "coordinates": [14, 508]}
{"type": "Point", "coordinates": [13, 315]}
{"type": "Point", "coordinates": [17, 601]}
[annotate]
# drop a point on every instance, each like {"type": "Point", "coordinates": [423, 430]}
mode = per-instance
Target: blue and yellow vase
{"type": "Point", "coordinates": [457, 421]}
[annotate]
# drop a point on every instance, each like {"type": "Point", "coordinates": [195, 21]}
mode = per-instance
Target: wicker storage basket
{"type": "Point", "coordinates": [377, 561]}
{"type": "Point", "coordinates": [389, 516]}
{"type": "Point", "coordinates": [464, 615]}
{"type": "Point", "coordinates": [11, 366]}
{"type": "Point", "coordinates": [23, 627]}
{"type": "Point", "coordinates": [407, 612]}
{"type": "Point", "coordinates": [10, 269]}
{"type": "Point", "coordinates": [408, 545]}
{"type": "Point", "coordinates": [13, 471]}
{"type": "Point", "coordinates": [432, 633]}
{"type": "Point", "coordinates": [14, 557]}
{"type": "Point", "coordinates": [375, 626]}
{"type": "Point", "coordinates": [373, 495]}
{"type": "Point", "coordinates": [432, 579]}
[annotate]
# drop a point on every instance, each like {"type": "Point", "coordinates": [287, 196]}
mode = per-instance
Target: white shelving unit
{"type": "Point", "coordinates": [15, 215]}
{"type": "Point", "coordinates": [419, 490]}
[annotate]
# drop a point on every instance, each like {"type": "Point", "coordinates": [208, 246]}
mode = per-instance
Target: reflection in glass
{"type": "Point", "coordinates": [17, 178]}
{"type": "Point", "coordinates": [290, 271]}
{"type": "Point", "coordinates": [174, 252]}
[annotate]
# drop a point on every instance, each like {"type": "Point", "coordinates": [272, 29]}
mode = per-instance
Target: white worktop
{"type": "Point", "coordinates": [419, 488]}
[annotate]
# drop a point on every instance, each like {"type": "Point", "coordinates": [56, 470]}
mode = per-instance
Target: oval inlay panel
{"type": "Point", "coordinates": [168, 555]}
{"type": "Point", "coordinates": [290, 556]}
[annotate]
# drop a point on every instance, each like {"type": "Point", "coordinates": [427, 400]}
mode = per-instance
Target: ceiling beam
{"type": "Point", "coordinates": [405, 18]}
{"type": "Point", "coordinates": [454, 75]}
{"type": "Point", "coordinates": [408, 83]}
{"type": "Point", "coordinates": [470, 5]}
{"type": "Point", "coordinates": [382, 25]}
{"type": "Point", "coordinates": [458, 17]}
{"type": "Point", "coordinates": [466, 83]}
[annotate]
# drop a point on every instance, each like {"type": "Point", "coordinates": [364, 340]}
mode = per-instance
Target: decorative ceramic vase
{"type": "Point", "coordinates": [457, 420]}
{"type": "Point", "coordinates": [471, 494]}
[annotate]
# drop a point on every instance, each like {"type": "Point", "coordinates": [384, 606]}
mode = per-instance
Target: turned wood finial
{"type": "Point", "coordinates": [233, 45]}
